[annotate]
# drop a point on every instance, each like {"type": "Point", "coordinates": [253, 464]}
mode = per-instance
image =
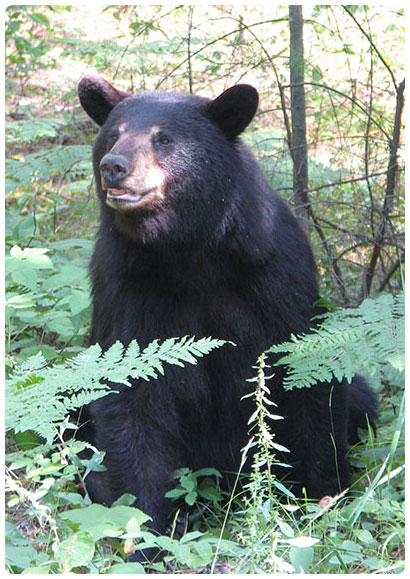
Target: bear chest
{"type": "Point", "coordinates": [193, 299]}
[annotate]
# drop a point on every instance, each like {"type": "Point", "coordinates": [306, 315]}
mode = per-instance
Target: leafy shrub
{"type": "Point", "coordinates": [47, 299]}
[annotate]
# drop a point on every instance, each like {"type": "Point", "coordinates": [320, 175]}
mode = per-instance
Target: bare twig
{"type": "Point", "coordinates": [215, 41]}
{"type": "Point", "coordinates": [353, 100]}
{"type": "Point", "coordinates": [370, 40]}
{"type": "Point", "coordinates": [398, 263]}
{"type": "Point", "coordinates": [190, 15]}
{"type": "Point", "coordinates": [332, 259]}
{"type": "Point", "coordinates": [389, 193]}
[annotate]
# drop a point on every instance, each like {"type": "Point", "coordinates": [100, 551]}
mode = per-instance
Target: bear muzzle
{"type": "Point", "coordinates": [127, 186]}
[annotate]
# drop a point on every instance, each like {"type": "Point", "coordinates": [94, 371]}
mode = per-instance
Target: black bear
{"type": "Point", "coordinates": [193, 241]}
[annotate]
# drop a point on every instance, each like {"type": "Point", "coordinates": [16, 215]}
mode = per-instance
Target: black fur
{"type": "Point", "coordinates": [210, 250]}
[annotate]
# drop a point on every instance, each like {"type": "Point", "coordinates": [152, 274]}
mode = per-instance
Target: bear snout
{"type": "Point", "coordinates": [114, 169]}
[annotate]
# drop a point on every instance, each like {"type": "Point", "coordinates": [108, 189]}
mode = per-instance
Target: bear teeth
{"type": "Point", "coordinates": [118, 192]}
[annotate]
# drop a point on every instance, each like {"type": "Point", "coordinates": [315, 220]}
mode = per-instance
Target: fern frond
{"type": "Point", "coordinates": [347, 342]}
{"type": "Point", "coordinates": [29, 130]}
{"type": "Point", "coordinates": [39, 397]}
{"type": "Point", "coordinates": [46, 164]}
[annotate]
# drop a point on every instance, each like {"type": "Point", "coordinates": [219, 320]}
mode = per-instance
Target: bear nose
{"type": "Point", "coordinates": [114, 168]}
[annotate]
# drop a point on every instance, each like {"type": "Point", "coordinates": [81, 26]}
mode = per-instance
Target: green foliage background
{"type": "Point", "coordinates": [353, 67]}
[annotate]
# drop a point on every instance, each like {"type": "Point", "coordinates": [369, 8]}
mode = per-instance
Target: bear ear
{"type": "Point", "coordinates": [98, 97]}
{"type": "Point", "coordinates": [234, 109]}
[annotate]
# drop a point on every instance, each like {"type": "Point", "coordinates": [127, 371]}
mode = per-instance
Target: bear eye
{"type": "Point", "coordinates": [163, 139]}
{"type": "Point", "coordinates": [113, 136]}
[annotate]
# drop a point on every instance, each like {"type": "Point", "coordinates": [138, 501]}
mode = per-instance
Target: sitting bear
{"type": "Point", "coordinates": [193, 241]}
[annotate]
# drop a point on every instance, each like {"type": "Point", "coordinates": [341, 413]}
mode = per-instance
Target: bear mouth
{"type": "Point", "coordinates": [119, 198]}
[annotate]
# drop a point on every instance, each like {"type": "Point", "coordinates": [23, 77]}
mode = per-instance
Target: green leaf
{"type": "Point", "coordinates": [126, 499]}
{"type": "Point", "coordinates": [26, 276]}
{"type": "Point", "coordinates": [60, 324]}
{"type": "Point", "coordinates": [207, 490]}
{"type": "Point", "coordinates": [19, 552]}
{"type": "Point", "coordinates": [191, 536]}
{"type": "Point", "coordinates": [286, 529]}
{"type": "Point", "coordinates": [26, 440]}
{"type": "Point", "coordinates": [191, 498]}
{"type": "Point", "coordinates": [67, 244]}
{"type": "Point", "coordinates": [364, 536]}
{"type": "Point", "coordinates": [19, 228]}
{"type": "Point", "coordinates": [302, 542]}
{"type": "Point", "coordinates": [208, 472]}
{"type": "Point", "coordinates": [133, 528]}
{"type": "Point", "coordinates": [175, 493]}
{"type": "Point", "coordinates": [39, 18]}
{"type": "Point", "coordinates": [188, 482]}
{"type": "Point", "coordinates": [102, 521]}
{"type": "Point", "coordinates": [77, 300]}
{"type": "Point", "coordinates": [69, 275]}
{"type": "Point", "coordinates": [397, 360]}
{"type": "Point", "coordinates": [75, 551]}
{"type": "Point", "coordinates": [126, 569]}
{"type": "Point", "coordinates": [35, 256]}
{"type": "Point", "coordinates": [43, 570]}
{"type": "Point", "coordinates": [349, 552]}
{"type": "Point", "coordinates": [301, 558]}
{"type": "Point", "coordinates": [21, 301]}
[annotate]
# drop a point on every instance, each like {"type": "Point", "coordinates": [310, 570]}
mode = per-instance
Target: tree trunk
{"type": "Point", "coordinates": [298, 113]}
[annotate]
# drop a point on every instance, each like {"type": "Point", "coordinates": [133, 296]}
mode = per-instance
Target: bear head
{"type": "Point", "coordinates": [165, 163]}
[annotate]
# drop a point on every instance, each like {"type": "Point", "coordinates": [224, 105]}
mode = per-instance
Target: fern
{"type": "Point", "coordinates": [29, 130]}
{"type": "Point", "coordinates": [46, 164]}
{"type": "Point", "coordinates": [39, 397]}
{"type": "Point", "coordinates": [347, 342]}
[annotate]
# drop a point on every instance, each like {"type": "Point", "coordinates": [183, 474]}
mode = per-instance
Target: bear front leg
{"type": "Point", "coordinates": [141, 455]}
{"type": "Point", "coordinates": [314, 429]}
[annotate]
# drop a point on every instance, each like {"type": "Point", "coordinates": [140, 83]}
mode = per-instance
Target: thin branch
{"type": "Point", "coordinates": [141, 32]}
{"type": "Point", "coordinates": [347, 181]}
{"type": "Point", "coordinates": [190, 15]}
{"type": "Point", "coordinates": [332, 259]}
{"type": "Point", "coordinates": [351, 99]}
{"type": "Point", "coordinates": [396, 265]}
{"type": "Point", "coordinates": [367, 145]}
{"type": "Point", "coordinates": [389, 193]}
{"type": "Point", "coordinates": [214, 41]}
{"type": "Point", "coordinates": [369, 38]}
